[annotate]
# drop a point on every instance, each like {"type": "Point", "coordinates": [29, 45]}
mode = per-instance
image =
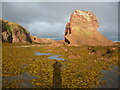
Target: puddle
{"type": "Point", "coordinates": [110, 77]}
{"type": "Point", "coordinates": [25, 77]}
{"type": "Point", "coordinates": [55, 57]}
{"type": "Point", "coordinates": [38, 53]}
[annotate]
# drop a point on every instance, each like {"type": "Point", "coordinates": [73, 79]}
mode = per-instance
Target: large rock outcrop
{"type": "Point", "coordinates": [82, 29]}
{"type": "Point", "coordinates": [14, 33]}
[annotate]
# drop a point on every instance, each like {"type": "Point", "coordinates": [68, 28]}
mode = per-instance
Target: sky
{"type": "Point", "coordinates": [48, 19]}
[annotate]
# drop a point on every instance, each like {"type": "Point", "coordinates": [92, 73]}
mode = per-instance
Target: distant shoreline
{"type": "Point", "coordinates": [115, 41]}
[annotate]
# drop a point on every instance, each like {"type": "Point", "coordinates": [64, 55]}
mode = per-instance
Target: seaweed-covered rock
{"type": "Point", "coordinates": [14, 33]}
{"type": "Point", "coordinates": [82, 29]}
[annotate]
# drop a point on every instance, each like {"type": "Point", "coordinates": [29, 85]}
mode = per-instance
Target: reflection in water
{"type": "Point", "coordinates": [38, 53]}
{"type": "Point", "coordinates": [57, 80]}
{"type": "Point", "coordinates": [110, 77]}
{"type": "Point", "coordinates": [25, 77]}
{"type": "Point", "coordinates": [55, 57]}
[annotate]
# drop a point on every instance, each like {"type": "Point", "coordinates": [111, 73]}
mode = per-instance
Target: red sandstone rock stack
{"type": "Point", "coordinates": [82, 30]}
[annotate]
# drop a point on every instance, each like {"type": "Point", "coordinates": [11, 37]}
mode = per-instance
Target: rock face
{"type": "Point", "coordinates": [82, 29]}
{"type": "Point", "coordinates": [14, 33]}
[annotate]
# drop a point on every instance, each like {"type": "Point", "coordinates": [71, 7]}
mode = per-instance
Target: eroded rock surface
{"type": "Point", "coordinates": [82, 29]}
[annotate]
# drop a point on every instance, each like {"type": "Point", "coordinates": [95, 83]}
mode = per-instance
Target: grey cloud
{"type": "Point", "coordinates": [60, 1]}
{"type": "Point", "coordinates": [31, 12]}
{"type": "Point", "coordinates": [0, 10]}
{"type": "Point", "coordinates": [56, 15]}
{"type": "Point", "coordinates": [51, 31]}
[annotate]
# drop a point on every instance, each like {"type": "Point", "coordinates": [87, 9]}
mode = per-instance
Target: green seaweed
{"type": "Point", "coordinates": [76, 72]}
{"type": "Point", "coordinates": [23, 29]}
{"type": "Point", "coordinates": [5, 26]}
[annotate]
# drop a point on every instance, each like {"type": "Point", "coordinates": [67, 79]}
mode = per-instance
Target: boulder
{"type": "Point", "coordinates": [82, 30]}
{"type": "Point", "coordinates": [36, 40]}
